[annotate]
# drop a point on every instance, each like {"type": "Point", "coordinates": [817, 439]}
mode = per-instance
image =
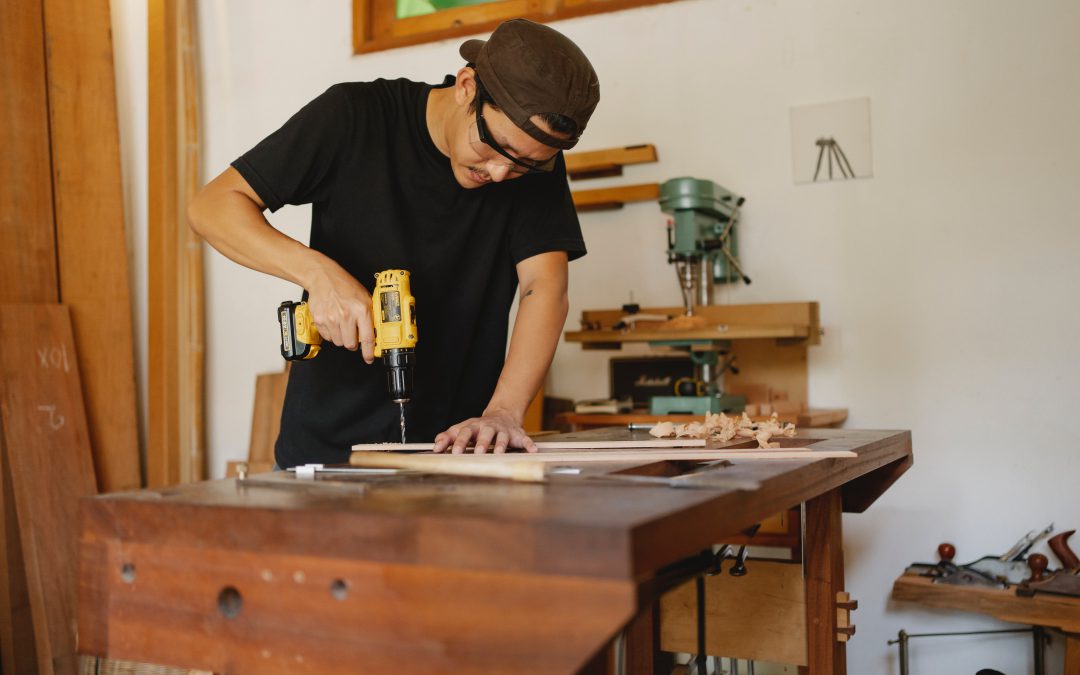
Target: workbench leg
{"type": "Point", "coordinates": [642, 654]}
{"type": "Point", "coordinates": [1072, 654]}
{"type": "Point", "coordinates": [824, 564]}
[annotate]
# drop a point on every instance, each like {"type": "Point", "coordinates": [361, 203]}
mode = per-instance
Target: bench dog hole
{"type": "Point", "coordinates": [229, 602]}
{"type": "Point", "coordinates": [339, 590]}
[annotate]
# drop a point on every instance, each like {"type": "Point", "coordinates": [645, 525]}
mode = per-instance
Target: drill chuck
{"type": "Point", "coordinates": [399, 373]}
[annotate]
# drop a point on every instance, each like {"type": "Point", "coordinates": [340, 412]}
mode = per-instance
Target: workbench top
{"type": "Point", "coordinates": [159, 567]}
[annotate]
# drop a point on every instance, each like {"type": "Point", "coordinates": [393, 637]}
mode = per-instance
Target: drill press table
{"type": "Point", "coordinates": [440, 574]}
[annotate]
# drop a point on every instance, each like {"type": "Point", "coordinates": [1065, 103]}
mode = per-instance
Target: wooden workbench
{"type": "Point", "coordinates": [441, 574]}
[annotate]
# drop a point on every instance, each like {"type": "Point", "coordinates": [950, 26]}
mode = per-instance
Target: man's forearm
{"type": "Point", "coordinates": [233, 223]}
{"type": "Point", "coordinates": [541, 315]}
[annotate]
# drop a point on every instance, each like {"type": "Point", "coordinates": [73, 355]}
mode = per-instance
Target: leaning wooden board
{"type": "Point", "coordinates": [48, 456]}
{"type": "Point", "coordinates": [91, 242]}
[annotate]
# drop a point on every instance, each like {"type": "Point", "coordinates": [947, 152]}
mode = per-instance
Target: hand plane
{"type": "Point", "coordinates": [1065, 581]}
{"type": "Point", "coordinates": [990, 571]}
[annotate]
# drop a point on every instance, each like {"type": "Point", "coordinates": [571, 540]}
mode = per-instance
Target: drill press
{"type": "Point", "coordinates": [703, 247]}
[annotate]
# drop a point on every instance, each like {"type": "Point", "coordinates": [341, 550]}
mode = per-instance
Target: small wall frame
{"type": "Point", "coordinates": [387, 24]}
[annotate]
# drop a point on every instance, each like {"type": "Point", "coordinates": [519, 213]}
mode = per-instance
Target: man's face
{"type": "Point", "coordinates": [475, 163]}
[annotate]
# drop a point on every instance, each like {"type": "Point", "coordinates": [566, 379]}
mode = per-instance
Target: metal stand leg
{"type": "Point", "coordinates": [903, 640]}
{"type": "Point", "coordinates": [1039, 638]}
{"type": "Point", "coordinates": [620, 653]}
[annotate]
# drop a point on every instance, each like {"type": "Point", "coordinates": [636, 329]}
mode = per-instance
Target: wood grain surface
{"type": "Point", "coordinates": [266, 416]}
{"type": "Point", "coordinates": [28, 270]}
{"type": "Point", "coordinates": [1043, 609]}
{"type": "Point", "coordinates": [27, 238]}
{"type": "Point", "coordinates": [176, 445]}
{"type": "Point", "coordinates": [48, 454]}
{"type": "Point", "coordinates": [17, 655]}
{"type": "Point", "coordinates": [760, 616]}
{"type": "Point", "coordinates": [423, 558]}
{"type": "Point", "coordinates": [92, 250]}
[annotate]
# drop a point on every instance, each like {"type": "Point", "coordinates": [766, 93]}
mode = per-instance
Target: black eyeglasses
{"type": "Point", "coordinates": [519, 165]}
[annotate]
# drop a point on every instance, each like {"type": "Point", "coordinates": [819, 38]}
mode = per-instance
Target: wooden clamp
{"type": "Point", "coordinates": [844, 607]}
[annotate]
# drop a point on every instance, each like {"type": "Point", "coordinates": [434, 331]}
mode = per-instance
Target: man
{"type": "Point", "coordinates": [463, 184]}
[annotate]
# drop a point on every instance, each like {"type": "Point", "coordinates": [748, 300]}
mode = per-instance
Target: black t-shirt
{"type": "Point", "coordinates": [384, 197]}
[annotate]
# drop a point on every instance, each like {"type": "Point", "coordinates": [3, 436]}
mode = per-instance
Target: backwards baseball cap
{"type": "Point", "coordinates": [530, 69]}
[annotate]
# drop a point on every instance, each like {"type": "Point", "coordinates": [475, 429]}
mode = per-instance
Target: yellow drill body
{"type": "Point", "coordinates": [394, 316]}
{"type": "Point", "coordinates": [394, 310]}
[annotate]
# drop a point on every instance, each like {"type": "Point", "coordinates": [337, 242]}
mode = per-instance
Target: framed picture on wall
{"type": "Point", "coordinates": [386, 24]}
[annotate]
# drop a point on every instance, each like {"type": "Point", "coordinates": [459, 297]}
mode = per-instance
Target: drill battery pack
{"type": "Point", "coordinates": [299, 338]}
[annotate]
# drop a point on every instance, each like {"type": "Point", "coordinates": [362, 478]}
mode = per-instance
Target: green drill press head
{"type": "Point", "coordinates": [705, 218]}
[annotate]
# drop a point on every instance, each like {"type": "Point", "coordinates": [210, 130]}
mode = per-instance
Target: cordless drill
{"type": "Point", "coordinates": [394, 316]}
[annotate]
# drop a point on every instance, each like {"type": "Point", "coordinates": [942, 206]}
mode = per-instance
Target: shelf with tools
{"type": "Point", "coordinates": [610, 328]}
{"type": "Point", "coordinates": [767, 344]}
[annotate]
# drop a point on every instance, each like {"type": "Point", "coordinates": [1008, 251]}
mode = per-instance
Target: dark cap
{"type": "Point", "coordinates": [530, 69]}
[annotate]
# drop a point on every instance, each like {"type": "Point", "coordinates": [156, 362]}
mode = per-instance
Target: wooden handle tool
{"type": "Point", "coordinates": [1059, 545]}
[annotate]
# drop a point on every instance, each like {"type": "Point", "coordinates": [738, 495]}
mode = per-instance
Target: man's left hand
{"type": "Point", "coordinates": [493, 432]}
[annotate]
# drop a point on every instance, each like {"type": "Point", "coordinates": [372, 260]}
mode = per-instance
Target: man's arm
{"type": "Point", "coordinates": [229, 215]}
{"type": "Point", "coordinates": [542, 309]}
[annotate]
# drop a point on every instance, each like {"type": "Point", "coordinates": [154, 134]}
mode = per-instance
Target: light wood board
{"type": "Point", "coordinates": [535, 466]}
{"type": "Point", "coordinates": [759, 616]}
{"type": "Point", "coordinates": [543, 446]}
{"type": "Point", "coordinates": [48, 455]}
{"type": "Point", "coordinates": [266, 415]}
{"type": "Point", "coordinates": [652, 455]}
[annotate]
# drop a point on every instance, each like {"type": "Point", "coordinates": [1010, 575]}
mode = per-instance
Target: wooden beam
{"type": "Point", "coordinates": [824, 563]}
{"type": "Point", "coordinates": [175, 432]}
{"type": "Point", "coordinates": [90, 234]}
{"type": "Point", "coordinates": [609, 162]}
{"type": "Point", "coordinates": [614, 198]}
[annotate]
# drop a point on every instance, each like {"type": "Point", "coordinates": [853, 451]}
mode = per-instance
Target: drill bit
{"type": "Point", "coordinates": [401, 405]}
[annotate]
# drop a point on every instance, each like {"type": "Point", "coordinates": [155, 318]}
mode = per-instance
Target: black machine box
{"type": "Point", "coordinates": [642, 377]}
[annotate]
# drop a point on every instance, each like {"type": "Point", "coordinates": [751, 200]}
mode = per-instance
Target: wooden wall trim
{"type": "Point", "coordinates": [176, 446]}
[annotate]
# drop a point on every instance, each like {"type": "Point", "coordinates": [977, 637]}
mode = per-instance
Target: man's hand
{"type": "Point", "coordinates": [341, 309]}
{"type": "Point", "coordinates": [495, 431]}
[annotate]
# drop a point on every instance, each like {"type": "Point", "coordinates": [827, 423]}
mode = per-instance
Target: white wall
{"type": "Point", "coordinates": [947, 282]}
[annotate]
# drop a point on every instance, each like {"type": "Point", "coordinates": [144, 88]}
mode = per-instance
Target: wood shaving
{"type": "Point", "coordinates": [663, 430]}
{"type": "Point", "coordinates": [720, 427]}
